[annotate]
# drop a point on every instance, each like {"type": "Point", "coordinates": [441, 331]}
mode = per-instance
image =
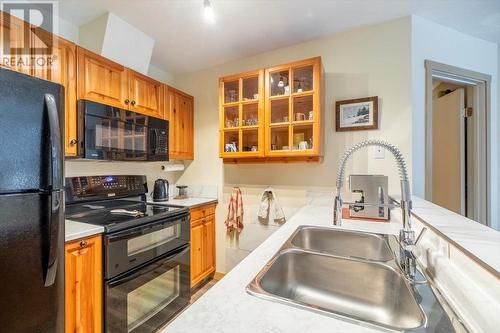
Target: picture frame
{"type": "Point", "coordinates": [356, 114]}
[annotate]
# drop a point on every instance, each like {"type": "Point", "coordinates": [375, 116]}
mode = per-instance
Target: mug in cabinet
{"type": "Point", "coordinates": [300, 116]}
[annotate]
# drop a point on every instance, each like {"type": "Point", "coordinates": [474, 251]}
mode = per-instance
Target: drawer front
{"type": "Point", "coordinates": [202, 212]}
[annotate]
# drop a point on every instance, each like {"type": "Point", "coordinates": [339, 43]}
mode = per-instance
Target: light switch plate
{"type": "Point", "coordinates": [378, 153]}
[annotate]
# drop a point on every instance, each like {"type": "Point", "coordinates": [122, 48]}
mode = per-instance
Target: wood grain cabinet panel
{"type": "Point", "coordinates": [59, 65]}
{"type": "Point", "coordinates": [17, 44]}
{"type": "Point", "coordinates": [145, 95]}
{"type": "Point", "coordinates": [197, 233]}
{"type": "Point", "coordinates": [181, 124]}
{"type": "Point", "coordinates": [83, 285]}
{"type": "Point", "coordinates": [202, 243]}
{"type": "Point", "coordinates": [101, 80]}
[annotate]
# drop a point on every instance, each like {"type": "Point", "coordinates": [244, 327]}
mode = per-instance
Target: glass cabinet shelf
{"type": "Point", "coordinates": [272, 114]}
{"type": "Point", "coordinates": [241, 99]}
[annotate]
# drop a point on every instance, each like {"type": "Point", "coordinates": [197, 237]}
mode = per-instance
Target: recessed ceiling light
{"type": "Point", "coordinates": [208, 11]}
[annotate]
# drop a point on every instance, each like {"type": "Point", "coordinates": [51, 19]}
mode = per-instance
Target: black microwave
{"type": "Point", "coordinates": [110, 133]}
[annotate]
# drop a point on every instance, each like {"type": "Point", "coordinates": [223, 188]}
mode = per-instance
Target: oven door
{"type": "Point", "coordinates": [144, 299]}
{"type": "Point", "coordinates": [133, 247]}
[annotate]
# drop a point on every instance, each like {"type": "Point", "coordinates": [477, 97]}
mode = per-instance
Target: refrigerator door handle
{"type": "Point", "coordinates": [55, 142]}
{"type": "Point", "coordinates": [53, 231]}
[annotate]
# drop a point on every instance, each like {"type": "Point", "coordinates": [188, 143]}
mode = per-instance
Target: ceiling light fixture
{"type": "Point", "coordinates": [208, 11]}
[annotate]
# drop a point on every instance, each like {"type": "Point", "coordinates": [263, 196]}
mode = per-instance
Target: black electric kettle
{"type": "Point", "coordinates": [160, 191]}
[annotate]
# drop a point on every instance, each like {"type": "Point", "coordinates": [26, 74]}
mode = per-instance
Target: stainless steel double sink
{"type": "Point", "coordinates": [348, 274]}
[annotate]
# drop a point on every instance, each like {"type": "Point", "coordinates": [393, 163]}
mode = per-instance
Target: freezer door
{"type": "Point", "coordinates": [31, 263]}
{"type": "Point", "coordinates": [31, 115]}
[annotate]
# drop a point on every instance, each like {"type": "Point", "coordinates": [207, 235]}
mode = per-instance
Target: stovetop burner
{"type": "Point", "coordinates": [119, 214]}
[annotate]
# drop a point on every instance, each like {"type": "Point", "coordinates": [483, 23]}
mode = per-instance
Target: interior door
{"type": "Point", "coordinates": [448, 151]}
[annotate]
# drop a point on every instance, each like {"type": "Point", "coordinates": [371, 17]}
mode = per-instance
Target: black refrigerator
{"type": "Point", "coordinates": [31, 204]}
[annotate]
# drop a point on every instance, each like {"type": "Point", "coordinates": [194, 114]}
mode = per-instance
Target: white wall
{"type": "Point", "coordinates": [370, 61]}
{"type": "Point", "coordinates": [431, 41]}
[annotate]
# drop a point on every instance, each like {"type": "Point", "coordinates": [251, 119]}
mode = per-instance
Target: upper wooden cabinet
{"type": "Point", "coordinates": [241, 115]}
{"type": "Point", "coordinates": [289, 126]}
{"type": "Point", "coordinates": [17, 44]}
{"type": "Point", "coordinates": [145, 95]}
{"type": "Point", "coordinates": [102, 80]}
{"type": "Point", "coordinates": [60, 67]}
{"type": "Point", "coordinates": [293, 109]}
{"type": "Point", "coordinates": [181, 124]}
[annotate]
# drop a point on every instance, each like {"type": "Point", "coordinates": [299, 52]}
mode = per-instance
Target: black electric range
{"type": "Point", "coordinates": [119, 214]}
{"type": "Point", "coordinates": [144, 246]}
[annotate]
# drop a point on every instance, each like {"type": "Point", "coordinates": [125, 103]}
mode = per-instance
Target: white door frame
{"type": "Point", "coordinates": [482, 157]}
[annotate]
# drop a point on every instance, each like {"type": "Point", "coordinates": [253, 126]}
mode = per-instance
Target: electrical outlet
{"type": "Point", "coordinates": [378, 153]}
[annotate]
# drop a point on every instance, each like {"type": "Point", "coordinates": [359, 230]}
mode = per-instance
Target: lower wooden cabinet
{"type": "Point", "coordinates": [83, 285]}
{"type": "Point", "coordinates": [202, 243]}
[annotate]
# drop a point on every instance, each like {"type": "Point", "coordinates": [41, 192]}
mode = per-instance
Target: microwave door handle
{"type": "Point", "coordinates": [55, 143]}
{"type": "Point", "coordinates": [152, 267]}
{"type": "Point", "coordinates": [154, 141]}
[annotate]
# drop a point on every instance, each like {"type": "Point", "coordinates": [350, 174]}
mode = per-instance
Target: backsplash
{"type": "Point", "coordinates": [152, 170]}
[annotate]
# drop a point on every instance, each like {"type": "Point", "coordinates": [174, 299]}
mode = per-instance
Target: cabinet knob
{"type": "Point", "coordinates": [133, 103]}
{"type": "Point", "coordinates": [127, 101]}
{"type": "Point", "coordinates": [73, 142]}
{"type": "Point", "coordinates": [83, 243]}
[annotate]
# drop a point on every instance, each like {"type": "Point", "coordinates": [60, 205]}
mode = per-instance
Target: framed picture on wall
{"type": "Point", "coordinates": [356, 114]}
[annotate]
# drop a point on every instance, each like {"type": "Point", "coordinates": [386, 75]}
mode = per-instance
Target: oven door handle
{"type": "Point", "coordinates": [138, 231]}
{"type": "Point", "coordinates": [150, 267]}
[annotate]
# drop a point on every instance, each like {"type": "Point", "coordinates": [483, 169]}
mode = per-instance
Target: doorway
{"type": "Point", "coordinates": [457, 159]}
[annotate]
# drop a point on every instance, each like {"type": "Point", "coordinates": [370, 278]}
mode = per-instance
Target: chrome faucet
{"type": "Point", "coordinates": [406, 234]}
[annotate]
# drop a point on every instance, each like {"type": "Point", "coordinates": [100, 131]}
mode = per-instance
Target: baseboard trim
{"type": "Point", "coordinates": [218, 275]}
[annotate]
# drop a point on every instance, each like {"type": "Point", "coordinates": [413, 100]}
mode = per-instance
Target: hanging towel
{"type": "Point", "coordinates": [269, 202]}
{"type": "Point", "coordinates": [234, 220]}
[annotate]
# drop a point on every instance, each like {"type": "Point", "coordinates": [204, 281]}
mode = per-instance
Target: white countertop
{"type": "Point", "coordinates": [188, 202]}
{"type": "Point", "coordinates": [76, 230]}
{"type": "Point", "coordinates": [472, 238]}
{"type": "Point", "coordinates": [227, 307]}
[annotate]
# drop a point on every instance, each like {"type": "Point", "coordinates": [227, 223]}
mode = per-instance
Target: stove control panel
{"type": "Point", "coordinates": [102, 187]}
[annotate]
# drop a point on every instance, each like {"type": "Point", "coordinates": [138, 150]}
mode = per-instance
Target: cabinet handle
{"type": "Point", "coordinates": [133, 103]}
{"type": "Point", "coordinates": [127, 101]}
{"type": "Point", "coordinates": [73, 142]}
{"type": "Point", "coordinates": [174, 110]}
{"type": "Point", "coordinates": [83, 243]}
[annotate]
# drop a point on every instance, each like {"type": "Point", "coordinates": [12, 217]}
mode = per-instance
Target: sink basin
{"type": "Point", "coordinates": [342, 243]}
{"type": "Point", "coordinates": [367, 291]}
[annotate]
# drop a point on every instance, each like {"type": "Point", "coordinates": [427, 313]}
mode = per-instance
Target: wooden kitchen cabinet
{"type": "Point", "coordinates": [83, 285]}
{"type": "Point", "coordinates": [241, 115]}
{"type": "Point", "coordinates": [102, 80]}
{"type": "Point", "coordinates": [181, 125]}
{"type": "Point", "coordinates": [290, 127]}
{"type": "Point", "coordinates": [202, 243]}
{"type": "Point", "coordinates": [145, 95]}
{"type": "Point", "coordinates": [59, 66]}
{"type": "Point", "coordinates": [17, 43]}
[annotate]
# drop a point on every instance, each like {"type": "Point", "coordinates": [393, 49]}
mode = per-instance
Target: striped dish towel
{"type": "Point", "coordinates": [234, 220]}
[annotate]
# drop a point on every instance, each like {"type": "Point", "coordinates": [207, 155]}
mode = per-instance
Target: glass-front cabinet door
{"type": "Point", "coordinates": [292, 109]}
{"type": "Point", "coordinates": [242, 115]}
